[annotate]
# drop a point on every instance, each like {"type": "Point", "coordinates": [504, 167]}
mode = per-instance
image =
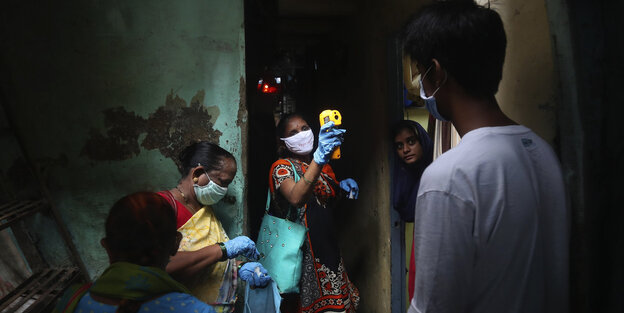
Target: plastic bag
{"type": "Point", "coordinates": [262, 300]}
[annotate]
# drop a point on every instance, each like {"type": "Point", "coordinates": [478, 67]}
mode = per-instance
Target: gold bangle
{"type": "Point", "coordinates": [305, 180]}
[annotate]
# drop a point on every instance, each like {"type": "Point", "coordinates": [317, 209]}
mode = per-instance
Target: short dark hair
{"type": "Point", "coordinates": [141, 228]}
{"type": "Point", "coordinates": [208, 154]}
{"type": "Point", "coordinates": [467, 39]}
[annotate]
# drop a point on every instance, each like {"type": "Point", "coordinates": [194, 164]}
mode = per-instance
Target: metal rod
{"type": "Point", "coordinates": [42, 287]}
{"type": "Point", "coordinates": [14, 295]}
{"type": "Point", "coordinates": [35, 287]}
{"type": "Point", "coordinates": [9, 204]}
{"type": "Point", "coordinates": [50, 289]}
{"type": "Point", "coordinates": [10, 215]}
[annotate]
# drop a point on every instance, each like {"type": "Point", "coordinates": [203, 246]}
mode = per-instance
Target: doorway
{"type": "Point", "coordinates": [343, 55]}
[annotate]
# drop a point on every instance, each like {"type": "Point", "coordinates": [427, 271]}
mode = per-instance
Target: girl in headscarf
{"type": "Point", "coordinates": [414, 152]}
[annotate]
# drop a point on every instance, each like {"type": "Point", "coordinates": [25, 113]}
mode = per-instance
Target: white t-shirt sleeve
{"type": "Point", "coordinates": [443, 241]}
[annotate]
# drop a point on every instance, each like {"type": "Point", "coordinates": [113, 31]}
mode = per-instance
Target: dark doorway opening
{"type": "Point", "coordinates": [300, 50]}
{"type": "Point", "coordinates": [331, 55]}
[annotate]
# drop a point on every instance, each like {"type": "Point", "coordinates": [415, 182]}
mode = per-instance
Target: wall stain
{"type": "Point", "coordinates": [241, 122]}
{"type": "Point", "coordinates": [169, 129]}
{"type": "Point", "coordinates": [121, 139]}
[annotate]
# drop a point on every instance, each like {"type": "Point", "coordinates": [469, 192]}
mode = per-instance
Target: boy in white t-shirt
{"type": "Point", "coordinates": [491, 224]}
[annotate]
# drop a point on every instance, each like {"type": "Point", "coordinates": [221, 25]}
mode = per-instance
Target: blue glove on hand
{"type": "Point", "coordinates": [350, 186]}
{"type": "Point", "coordinates": [241, 245]}
{"type": "Point", "coordinates": [254, 274]}
{"type": "Point", "coordinates": [329, 138]}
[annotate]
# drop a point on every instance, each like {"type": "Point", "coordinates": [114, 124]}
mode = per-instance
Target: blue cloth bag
{"type": "Point", "coordinates": [262, 300]}
{"type": "Point", "coordinates": [279, 243]}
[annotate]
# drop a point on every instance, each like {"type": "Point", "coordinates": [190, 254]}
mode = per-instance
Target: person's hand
{"type": "Point", "coordinates": [351, 187]}
{"type": "Point", "coordinates": [254, 274]}
{"type": "Point", "coordinates": [329, 138]}
{"type": "Point", "coordinates": [241, 245]}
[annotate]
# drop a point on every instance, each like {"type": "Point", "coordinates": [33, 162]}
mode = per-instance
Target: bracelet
{"type": "Point", "coordinates": [223, 251]}
{"type": "Point", "coordinates": [240, 265]}
{"type": "Point", "coordinates": [305, 180]}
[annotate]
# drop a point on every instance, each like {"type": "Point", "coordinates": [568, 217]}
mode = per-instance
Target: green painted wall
{"type": "Point", "coordinates": [106, 93]}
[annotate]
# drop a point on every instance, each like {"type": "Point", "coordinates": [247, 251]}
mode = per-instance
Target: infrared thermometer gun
{"type": "Point", "coordinates": [332, 116]}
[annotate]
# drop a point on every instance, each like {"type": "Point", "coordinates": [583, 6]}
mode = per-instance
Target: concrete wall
{"type": "Point", "coordinates": [106, 93]}
{"type": "Point", "coordinates": [589, 44]}
{"type": "Point", "coordinates": [528, 91]}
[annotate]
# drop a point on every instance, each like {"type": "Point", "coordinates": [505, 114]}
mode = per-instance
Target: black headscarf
{"type": "Point", "coordinates": [406, 178]}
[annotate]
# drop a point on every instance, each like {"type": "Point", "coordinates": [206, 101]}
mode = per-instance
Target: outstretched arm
{"type": "Point", "coordinates": [297, 194]}
{"type": "Point", "coordinates": [185, 264]}
{"type": "Point", "coordinates": [188, 263]}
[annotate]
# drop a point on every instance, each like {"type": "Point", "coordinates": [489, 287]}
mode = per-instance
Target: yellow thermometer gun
{"type": "Point", "coordinates": [332, 116]}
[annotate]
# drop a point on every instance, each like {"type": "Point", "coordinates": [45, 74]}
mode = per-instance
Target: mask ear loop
{"type": "Point", "coordinates": [444, 81]}
{"type": "Point", "coordinates": [209, 179]}
{"type": "Point", "coordinates": [205, 172]}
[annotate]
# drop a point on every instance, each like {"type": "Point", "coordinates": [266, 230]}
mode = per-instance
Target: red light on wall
{"type": "Point", "coordinates": [268, 86]}
{"type": "Point", "coordinates": [269, 89]}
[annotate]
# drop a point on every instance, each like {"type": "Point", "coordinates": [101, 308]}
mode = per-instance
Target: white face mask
{"type": "Point", "coordinates": [210, 193]}
{"type": "Point", "coordinates": [430, 102]}
{"type": "Point", "coordinates": [301, 143]}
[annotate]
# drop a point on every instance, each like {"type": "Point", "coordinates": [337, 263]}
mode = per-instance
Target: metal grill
{"type": "Point", "coordinates": [39, 291]}
{"type": "Point", "coordinates": [13, 211]}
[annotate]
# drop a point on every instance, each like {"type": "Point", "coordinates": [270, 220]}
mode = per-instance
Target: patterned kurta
{"type": "Point", "coordinates": [325, 285]}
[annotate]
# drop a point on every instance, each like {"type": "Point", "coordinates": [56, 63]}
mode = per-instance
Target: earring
{"type": "Point", "coordinates": [195, 179]}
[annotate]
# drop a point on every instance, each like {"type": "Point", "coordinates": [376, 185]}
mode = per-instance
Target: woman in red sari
{"type": "Point", "coordinates": [324, 285]}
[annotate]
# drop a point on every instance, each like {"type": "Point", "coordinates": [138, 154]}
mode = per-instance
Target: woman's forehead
{"type": "Point", "coordinates": [229, 165]}
{"type": "Point", "coordinates": [405, 133]}
{"type": "Point", "coordinates": [225, 165]}
{"type": "Point", "coordinates": [296, 122]}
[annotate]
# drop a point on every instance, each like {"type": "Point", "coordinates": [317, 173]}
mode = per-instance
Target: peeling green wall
{"type": "Point", "coordinates": [106, 93]}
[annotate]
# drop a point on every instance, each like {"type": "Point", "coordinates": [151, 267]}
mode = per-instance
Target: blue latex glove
{"type": "Point", "coordinates": [329, 138]}
{"type": "Point", "coordinates": [241, 245]}
{"type": "Point", "coordinates": [254, 274]}
{"type": "Point", "coordinates": [351, 187]}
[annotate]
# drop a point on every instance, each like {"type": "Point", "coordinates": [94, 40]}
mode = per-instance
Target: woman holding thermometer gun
{"type": "Point", "coordinates": [310, 201]}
